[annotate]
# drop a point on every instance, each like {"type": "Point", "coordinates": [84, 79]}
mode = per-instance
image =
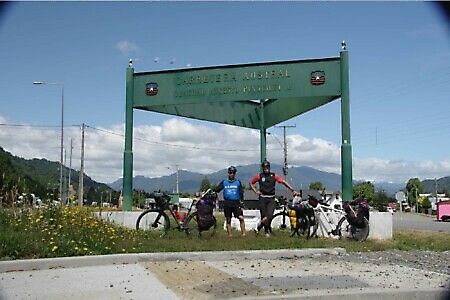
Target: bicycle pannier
{"type": "Point", "coordinates": [361, 208]}
{"type": "Point", "coordinates": [205, 215]}
{"type": "Point", "coordinates": [161, 199]}
{"type": "Point", "coordinates": [293, 218]}
{"type": "Point", "coordinates": [313, 201]}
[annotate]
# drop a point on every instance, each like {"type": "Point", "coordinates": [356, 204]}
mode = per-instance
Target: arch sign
{"type": "Point", "coordinates": [256, 96]}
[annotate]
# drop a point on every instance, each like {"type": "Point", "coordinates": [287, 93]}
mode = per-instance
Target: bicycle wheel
{"type": "Point", "coordinates": [361, 233]}
{"type": "Point", "coordinates": [192, 229]}
{"type": "Point", "coordinates": [153, 220]}
{"type": "Point", "coordinates": [280, 221]}
{"type": "Point", "coordinates": [303, 228]}
{"type": "Point", "coordinates": [345, 230]}
{"type": "Point", "coordinates": [314, 225]}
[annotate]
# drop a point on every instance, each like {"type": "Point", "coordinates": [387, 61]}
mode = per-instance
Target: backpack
{"type": "Point", "coordinates": [361, 208]}
{"type": "Point", "coordinates": [205, 215]}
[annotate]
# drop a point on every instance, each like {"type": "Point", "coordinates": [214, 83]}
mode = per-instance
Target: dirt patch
{"type": "Point", "coordinates": [197, 280]}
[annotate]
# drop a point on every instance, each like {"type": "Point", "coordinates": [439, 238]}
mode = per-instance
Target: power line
{"type": "Point", "coordinates": [174, 145]}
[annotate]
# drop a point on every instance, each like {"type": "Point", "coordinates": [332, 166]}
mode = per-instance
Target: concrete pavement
{"type": "Point", "coordinates": [272, 274]}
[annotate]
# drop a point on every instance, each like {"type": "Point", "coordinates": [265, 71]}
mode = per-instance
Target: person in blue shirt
{"type": "Point", "coordinates": [233, 195]}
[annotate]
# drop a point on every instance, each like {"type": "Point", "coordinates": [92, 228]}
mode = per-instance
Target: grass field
{"type": "Point", "coordinates": [73, 231]}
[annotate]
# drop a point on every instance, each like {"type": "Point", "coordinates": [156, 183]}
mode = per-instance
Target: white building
{"type": "Point", "coordinates": [433, 199]}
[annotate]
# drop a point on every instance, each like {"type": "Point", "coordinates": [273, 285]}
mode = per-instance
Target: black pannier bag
{"type": "Point", "coordinates": [161, 199]}
{"type": "Point", "coordinates": [302, 209]}
{"type": "Point", "coordinates": [360, 208]}
{"type": "Point", "coordinates": [205, 209]}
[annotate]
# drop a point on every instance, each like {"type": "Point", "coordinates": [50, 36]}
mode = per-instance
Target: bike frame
{"type": "Point", "coordinates": [158, 217]}
{"type": "Point", "coordinates": [327, 223]}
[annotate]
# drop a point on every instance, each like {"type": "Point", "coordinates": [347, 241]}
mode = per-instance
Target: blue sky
{"type": "Point", "coordinates": [399, 82]}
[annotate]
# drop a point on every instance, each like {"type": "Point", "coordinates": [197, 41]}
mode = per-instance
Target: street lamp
{"type": "Point", "coordinates": [62, 137]}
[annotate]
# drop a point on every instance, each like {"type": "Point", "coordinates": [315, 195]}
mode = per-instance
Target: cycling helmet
{"type": "Point", "coordinates": [265, 164]}
{"type": "Point", "coordinates": [232, 169]}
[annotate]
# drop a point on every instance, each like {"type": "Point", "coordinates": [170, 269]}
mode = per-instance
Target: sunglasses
{"type": "Point", "coordinates": [231, 172]}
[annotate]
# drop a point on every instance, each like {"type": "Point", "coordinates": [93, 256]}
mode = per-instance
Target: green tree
{"type": "Point", "coordinates": [364, 190]}
{"type": "Point", "coordinates": [316, 185]}
{"type": "Point", "coordinates": [205, 184]}
{"type": "Point", "coordinates": [138, 198]}
{"type": "Point", "coordinates": [90, 195]}
{"type": "Point", "coordinates": [426, 204]}
{"type": "Point", "coordinates": [380, 200]}
{"type": "Point", "coordinates": [414, 187]}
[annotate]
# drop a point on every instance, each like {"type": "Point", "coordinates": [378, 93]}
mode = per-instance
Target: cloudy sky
{"type": "Point", "coordinates": [399, 83]}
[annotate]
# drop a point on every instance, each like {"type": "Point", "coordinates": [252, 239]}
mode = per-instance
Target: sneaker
{"type": "Point", "coordinates": [293, 232]}
{"type": "Point", "coordinates": [267, 234]}
{"type": "Point", "coordinates": [256, 231]}
{"type": "Point", "coordinates": [244, 235]}
{"type": "Point", "coordinates": [230, 236]}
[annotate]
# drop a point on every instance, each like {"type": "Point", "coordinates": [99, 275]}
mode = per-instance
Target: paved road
{"type": "Point", "coordinates": [274, 274]}
{"type": "Point", "coordinates": [419, 222]}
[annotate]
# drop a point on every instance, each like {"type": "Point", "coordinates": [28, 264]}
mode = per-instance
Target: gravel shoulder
{"type": "Point", "coordinates": [438, 262]}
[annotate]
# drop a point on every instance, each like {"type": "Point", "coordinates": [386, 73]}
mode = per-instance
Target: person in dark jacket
{"type": "Point", "coordinates": [267, 181]}
{"type": "Point", "coordinates": [233, 195]}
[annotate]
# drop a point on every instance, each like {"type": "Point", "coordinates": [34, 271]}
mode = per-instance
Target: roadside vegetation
{"type": "Point", "coordinates": [74, 231]}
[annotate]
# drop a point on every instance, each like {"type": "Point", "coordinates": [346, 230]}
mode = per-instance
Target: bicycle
{"type": "Point", "coordinates": [281, 221]}
{"type": "Point", "coordinates": [305, 216]}
{"type": "Point", "coordinates": [158, 219]}
{"type": "Point", "coordinates": [326, 217]}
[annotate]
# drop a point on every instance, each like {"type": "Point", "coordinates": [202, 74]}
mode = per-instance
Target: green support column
{"type": "Point", "coordinates": [128, 152]}
{"type": "Point", "coordinates": [346, 147]}
{"type": "Point", "coordinates": [262, 132]}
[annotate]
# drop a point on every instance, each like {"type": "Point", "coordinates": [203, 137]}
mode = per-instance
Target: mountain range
{"type": "Point", "coordinates": [44, 173]}
{"type": "Point", "coordinates": [298, 177]}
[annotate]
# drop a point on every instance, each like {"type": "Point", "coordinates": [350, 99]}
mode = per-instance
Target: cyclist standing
{"type": "Point", "coordinates": [233, 194]}
{"type": "Point", "coordinates": [266, 193]}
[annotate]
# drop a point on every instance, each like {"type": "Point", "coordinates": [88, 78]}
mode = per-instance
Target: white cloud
{"type": "Point", "coordinates": [158, 150]}
{"type": "Point", "coordinates": [127, 47]}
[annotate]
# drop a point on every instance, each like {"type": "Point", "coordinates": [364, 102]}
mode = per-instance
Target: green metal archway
{"type": "Point", "coordinates": [255, 96]}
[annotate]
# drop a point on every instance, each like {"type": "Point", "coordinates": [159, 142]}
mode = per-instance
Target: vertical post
{"type": "Point", "coordinates": [128, 152]}
{"type": "Point", "coordinates": [346, 147]}
{"type": "Point", "coordinates": [80, 180]}
{"type": "Point", "coordinates": [285, 169]}
{"type": "Point", "coordinates": [61, 174]}
{"type": "Point", "coordinates": [64, 201]}
{"type": "Point", "coordinates": [178, 182]}
{"type": "Point", "coordinates": [69, 190]}
{"type": "Point", "coordinates": [262, 132]}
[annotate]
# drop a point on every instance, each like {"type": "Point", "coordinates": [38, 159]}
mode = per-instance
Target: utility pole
{"type": "Point", "coordinates": [177, 179]}
{"type": "Point", "coordinates": [417, 202]}
{"type": "Point", "coordinates": [64, 200]}
{"type": "Point", "coordinates": [435, 187]}
{"type": "Point", "coordinates": [285, 168]}
{"type": "Point", "coordinates": [80, 182]}
{"type": "Point", "coordinates": [69, 189]}
{"type": "Point", "coordinates": [178, 182]}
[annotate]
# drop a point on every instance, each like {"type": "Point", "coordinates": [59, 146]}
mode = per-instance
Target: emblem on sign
{"type": "Point", "coordinates": [317, 77]}
{"type": "Point", "coordinates": [151, 88]}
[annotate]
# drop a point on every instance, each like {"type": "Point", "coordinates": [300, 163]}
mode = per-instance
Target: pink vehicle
{"type": "Point", "coordinates": [443, 210]}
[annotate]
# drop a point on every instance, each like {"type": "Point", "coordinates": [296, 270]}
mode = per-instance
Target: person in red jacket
{"type": "Point", "coordinates": [267, 181]}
